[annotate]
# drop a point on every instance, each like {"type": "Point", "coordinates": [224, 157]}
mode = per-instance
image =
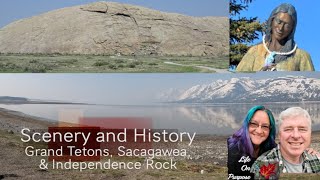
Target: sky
{"type": "Point", "coordinates": [112, 89]}
{"type": "Point", "coordinates": [115, 88]}
{"type": "Point", "coordinates": [12, 10]}
{"type": "Point", "coordinates": [307, 32]}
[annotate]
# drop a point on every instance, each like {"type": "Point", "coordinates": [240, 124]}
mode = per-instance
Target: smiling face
{"type": "Point", "coordinates": [282, 26]}
{"type": "Point", "coordinates": [259, 127]}
{"type": "Point", "coordinates": [294, 136]}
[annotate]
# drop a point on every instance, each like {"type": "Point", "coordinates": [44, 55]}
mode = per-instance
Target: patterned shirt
{"type": "Point", "coordinates": [270, 164]}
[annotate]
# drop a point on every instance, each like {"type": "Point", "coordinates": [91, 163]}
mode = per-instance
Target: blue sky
{"type": "Point", "coordinates": [11, 10]}
{"type": "Point", "coordinates": [307, 36]}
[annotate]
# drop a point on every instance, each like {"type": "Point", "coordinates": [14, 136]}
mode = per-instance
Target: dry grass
{"type": "Point", "coordinates": [55, 63]}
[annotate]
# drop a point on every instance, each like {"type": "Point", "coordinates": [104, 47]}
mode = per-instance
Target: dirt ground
{"type": "Point", "coordinates": [206, 158]}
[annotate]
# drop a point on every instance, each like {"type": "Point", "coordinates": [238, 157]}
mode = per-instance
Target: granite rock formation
{"type": "Point", "coordinates": [113, 28]}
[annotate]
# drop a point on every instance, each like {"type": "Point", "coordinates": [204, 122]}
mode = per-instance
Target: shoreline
{"type": "Point", "coordinates": [205, 147]}
{"type": "Point", "coordinates": [14, 121]}
{"type": "Point", "coordinates": [206, 157]}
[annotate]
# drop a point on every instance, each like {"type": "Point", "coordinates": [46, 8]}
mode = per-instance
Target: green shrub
{"type": "Point", "coordinates": [138, 62]}
{"type": "Point", "coordinates": [101, 63]}
{"type": "Point", "coordinates": [120, 66]}
{"type": "Point", "coordinates": [112, 66]}
{"type": "Point", "coordinates": [131, 65]}
{"type": "Point", "coordinates": [33, 61]}
{"type": "Point", "coordinates": [152, 64]}
{"type": "Point", "coordinates": [119, 61]}
{"type": "Point", "coordinates": [36, 68]}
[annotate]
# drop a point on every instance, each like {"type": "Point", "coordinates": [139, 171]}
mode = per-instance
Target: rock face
{"type": "Point", "coordinates": [111, 28]}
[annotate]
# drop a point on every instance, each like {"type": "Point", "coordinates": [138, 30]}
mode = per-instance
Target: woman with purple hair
{"type": "Point", "coordinates": [256, 136]}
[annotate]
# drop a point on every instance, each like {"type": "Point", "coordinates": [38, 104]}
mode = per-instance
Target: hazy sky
{"type": "Point", "coordinates": [307, 32]}
{"type": "Point", "coordinates": [12, 10]}
{"type": "Point", "coordinates": [121, 89]}
{"type": "Point", "coordinates": [96, 88]}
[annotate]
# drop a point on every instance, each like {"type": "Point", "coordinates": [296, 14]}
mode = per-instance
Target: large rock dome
{"type": "Point", "coordinates": [111, 28]}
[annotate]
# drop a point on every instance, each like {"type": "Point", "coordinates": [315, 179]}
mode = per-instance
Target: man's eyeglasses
{"type": "Point", "coordinates": [256, 126]}
{"type": "Point", "coordinates": [285, 25]}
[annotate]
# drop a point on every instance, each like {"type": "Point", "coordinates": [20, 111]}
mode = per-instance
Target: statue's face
{"type": "Point", "coordinates": [282, 26]}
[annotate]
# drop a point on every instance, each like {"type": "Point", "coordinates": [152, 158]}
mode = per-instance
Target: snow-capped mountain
{"type": "Point", "coordinates": [245, 90]}
{"type": "Point", "coordinates": [169, 95]}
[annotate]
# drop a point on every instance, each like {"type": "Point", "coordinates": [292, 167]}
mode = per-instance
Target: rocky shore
{"type": "Point", "coordinates": [205, 159]}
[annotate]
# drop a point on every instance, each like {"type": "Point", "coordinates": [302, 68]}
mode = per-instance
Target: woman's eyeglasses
{"type": "Point", "coordinates": [255, 125]}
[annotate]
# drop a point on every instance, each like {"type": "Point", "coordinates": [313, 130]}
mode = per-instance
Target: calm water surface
{"type": "Point", "coordinates": [222, 119]}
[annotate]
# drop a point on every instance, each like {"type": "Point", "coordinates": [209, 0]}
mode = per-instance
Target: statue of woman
{"type": "Point", "coordinates": [278, 50]}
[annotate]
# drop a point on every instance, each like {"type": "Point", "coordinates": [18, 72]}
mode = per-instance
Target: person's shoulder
{"type": "Point", "coordinates": [304, 59]}
{"type": "Point", "coordinates": [256, 47]}
{"type": "Point", "coordinates": [313, 161]}
{"type": "Point", "coordinates": [271, 152]}
{"type": "Point", "coordinates": [257, 50]}
{"type": "Point", "coordinates": [268, 156]}
{"type": "Point", "coordinates": [233, 149]}
{"type": "Point", "coordinates": [311, 157]}
{"type": "Point", "coordinates": [302, 52]}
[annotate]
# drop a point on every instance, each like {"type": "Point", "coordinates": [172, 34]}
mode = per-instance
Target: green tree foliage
{"type": "Point", "coordinates": [243, 30]}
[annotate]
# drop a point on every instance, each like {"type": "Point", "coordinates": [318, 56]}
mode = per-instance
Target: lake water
{"type": "Point", "coordinates": [219, 119]}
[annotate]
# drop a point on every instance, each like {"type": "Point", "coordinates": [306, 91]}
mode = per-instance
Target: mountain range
{"type": "Point", "coordinates": [247, 90]}
{"type": "Point", "coordinates": [23, 100]}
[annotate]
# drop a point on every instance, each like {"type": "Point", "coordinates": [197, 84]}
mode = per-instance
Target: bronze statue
{"type": "Point", "coordinates": [278, 50]}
